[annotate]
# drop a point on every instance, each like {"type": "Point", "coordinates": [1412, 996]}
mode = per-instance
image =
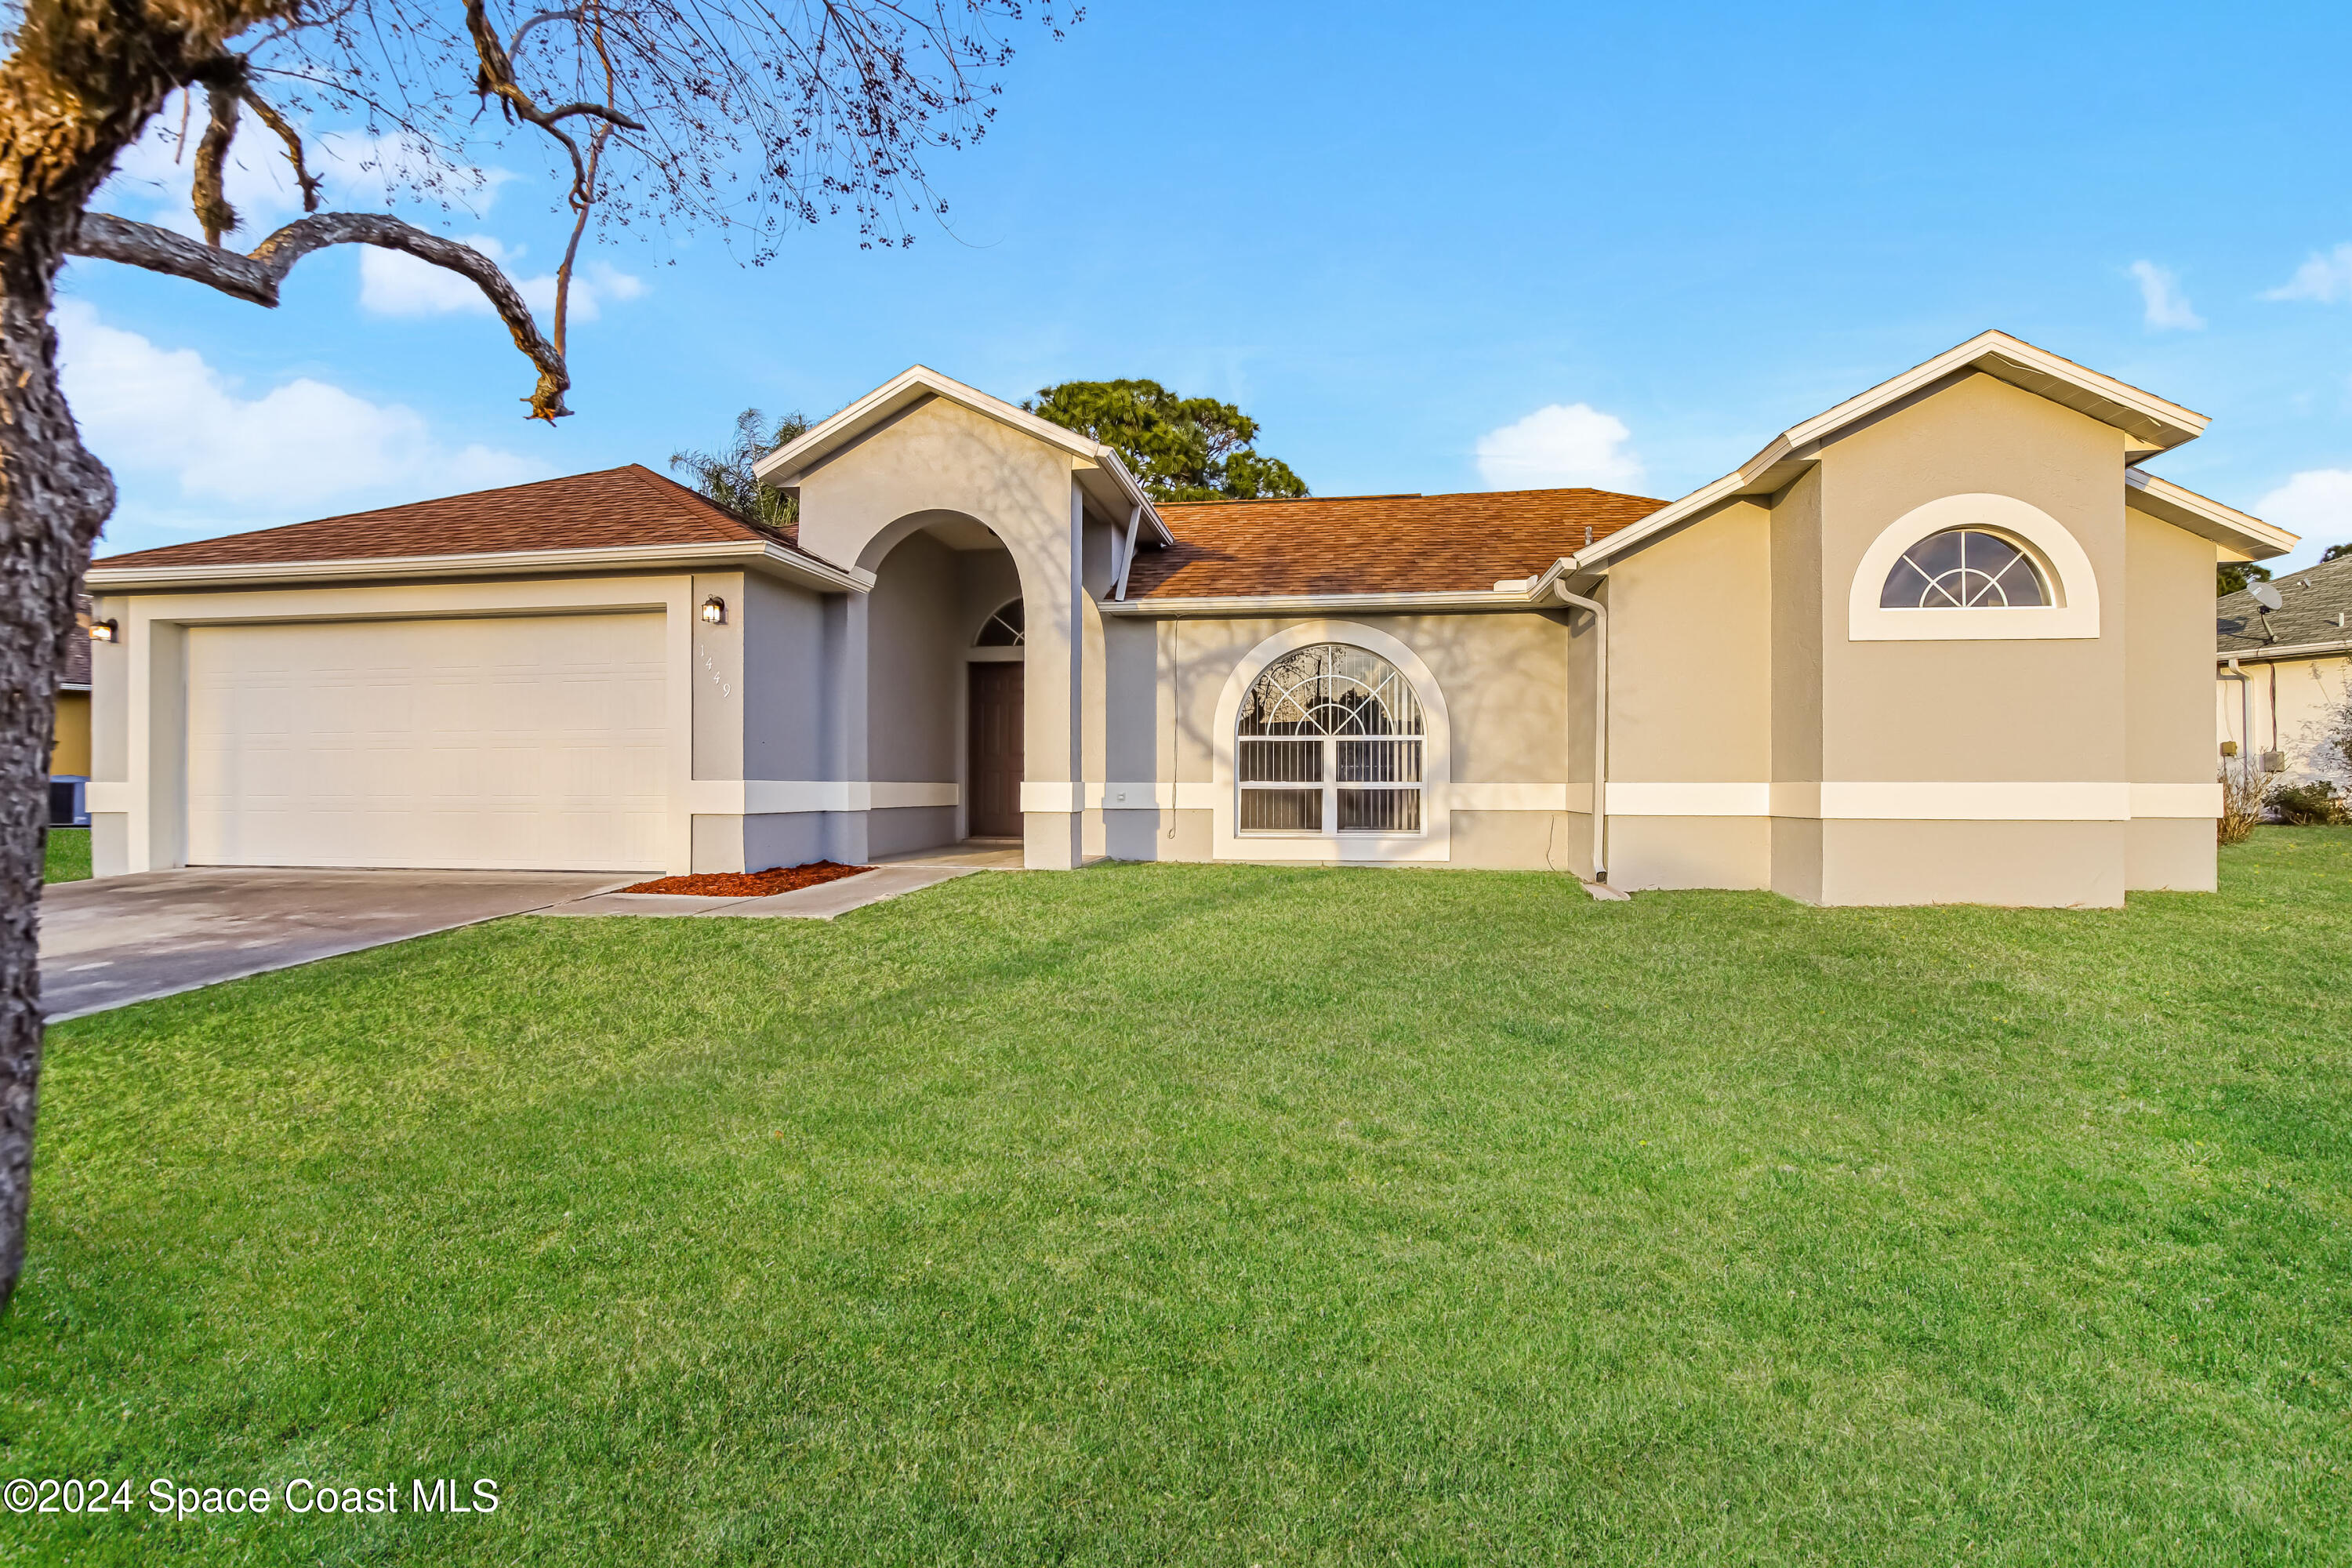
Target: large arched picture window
{"type": "Point", "coordinates": [1963, 569]}
{"type": "Point", "coordinates": [1329, 741]}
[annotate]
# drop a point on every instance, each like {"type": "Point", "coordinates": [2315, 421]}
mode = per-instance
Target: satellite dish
{"type": "Point", "coordinates": [2265, 595]}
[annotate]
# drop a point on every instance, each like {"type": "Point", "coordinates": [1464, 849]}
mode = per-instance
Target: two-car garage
{"type": "Point", "coordinates": [489, 742]}
{"type": "Point", "coordinates": [544, 678]}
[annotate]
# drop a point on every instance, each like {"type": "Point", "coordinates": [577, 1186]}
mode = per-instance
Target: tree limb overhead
{"type": "Point", "coordinates": [256, 277]}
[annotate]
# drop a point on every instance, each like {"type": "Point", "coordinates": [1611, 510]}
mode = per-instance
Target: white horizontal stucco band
{"type": "Point", "coordinates": [1971, 801]}
{"type": "Point", "coordinates": [1979, 802]}
{"type": "Point", "coordinates": [1960, 802]}
{"type": "Point", "coordinates": [766, 797]}
{"type": "Point", "coordinates": [1191, 794]}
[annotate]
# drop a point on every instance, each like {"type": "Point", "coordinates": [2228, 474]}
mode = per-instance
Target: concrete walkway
{"type": "Point", "coordinates": [119, 940]}
{"type": "Point", "coordinates": [821, 903]}
{"type": "Point", "coordinates": [973, 853]}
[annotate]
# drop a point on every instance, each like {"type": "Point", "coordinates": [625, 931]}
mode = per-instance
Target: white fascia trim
{"type": "Point", "coordinates": [2205, 517]}
{"type": "Point", "coordinates": [1995, 353]}
{"type": "Point", "coordinates": [2285, 650]}
{"type": "Point", "coordinates": [785, 467]}
{"type": "Point", "coordinates": [1320, 604]}
{"type": "Point", "coordinates": [758, 555]}
{"type": "Point", "coordinates": [2008, 354]}
{"type": "Point", "coordinates": [770, 797]}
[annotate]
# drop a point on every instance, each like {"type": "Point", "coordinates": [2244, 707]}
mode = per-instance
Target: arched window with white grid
{"type": "Point", "coordinates": [1329, 741]}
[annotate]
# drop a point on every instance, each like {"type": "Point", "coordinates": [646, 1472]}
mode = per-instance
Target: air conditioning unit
{"type": "Point", "coordinates": [69, 800]}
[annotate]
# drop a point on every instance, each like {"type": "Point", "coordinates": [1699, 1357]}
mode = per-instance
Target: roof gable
{"type": "Point", "coordinates": [2150, 424]}
{"type": "Point", "coordinates": [1113, 487]}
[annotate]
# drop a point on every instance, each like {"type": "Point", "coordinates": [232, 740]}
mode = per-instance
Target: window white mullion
{"type": "Point", "coordinates": [1331, 785]}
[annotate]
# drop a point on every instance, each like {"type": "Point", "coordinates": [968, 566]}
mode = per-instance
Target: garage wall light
{"type": "Point", "coordinates": [714, 610]}
{"type": "Point", "coordinates": [105, 631]}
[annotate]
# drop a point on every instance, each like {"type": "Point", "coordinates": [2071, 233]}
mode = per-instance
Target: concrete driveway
{"type": "Point", "coordinates": [126, 939]}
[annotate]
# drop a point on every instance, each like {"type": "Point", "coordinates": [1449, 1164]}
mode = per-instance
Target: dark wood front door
{"type": "Point", "coordinates": [995, 727]}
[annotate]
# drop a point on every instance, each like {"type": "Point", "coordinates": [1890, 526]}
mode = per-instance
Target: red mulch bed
{"type": "Point", "coordinates": [752, 884]}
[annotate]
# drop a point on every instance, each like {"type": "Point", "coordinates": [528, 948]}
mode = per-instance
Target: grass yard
{"type": "Point", "coordinates": [69, 856]}
{"type": "Point", "coordinates": [1229, 1216]}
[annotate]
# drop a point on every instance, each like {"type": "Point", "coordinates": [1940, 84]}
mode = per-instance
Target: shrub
{"type": "Point", "coordinates": [2242, 790]}
{"type": "Point", "coordinates": [2315, 805]}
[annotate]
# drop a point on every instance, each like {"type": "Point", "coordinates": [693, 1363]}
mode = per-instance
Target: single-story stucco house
{"type": "Point", "coordinates": [1943, 642]}
{"type": "Point", "coordinates": [2284, 674]}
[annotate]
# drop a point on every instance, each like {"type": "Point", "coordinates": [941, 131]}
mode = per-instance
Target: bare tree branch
{"type": "Point", "coordinates": [256, 277]}
{"type": "Point", "coordinates": [543, 17]}
{"type": "Point", "coordinates": [286, 133]}
{"type": "Point", "coordinates": [210, 193]}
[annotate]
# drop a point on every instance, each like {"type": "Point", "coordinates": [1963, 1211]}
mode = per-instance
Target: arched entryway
{"type": "Point", "coordinates": [945, 670]}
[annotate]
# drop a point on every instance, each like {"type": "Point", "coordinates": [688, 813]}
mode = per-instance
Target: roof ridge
{"type": "Point", "coordinates": [1421, 495]}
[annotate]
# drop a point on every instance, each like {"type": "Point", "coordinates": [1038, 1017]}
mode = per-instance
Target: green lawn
{"type": "Point", "coordinates": [1230, 1215]}
{"type": "Point", "coordinates": [69, 854]}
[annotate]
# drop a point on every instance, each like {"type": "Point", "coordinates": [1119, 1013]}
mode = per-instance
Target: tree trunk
{"type": "Point", "coordinates": [54, 496]}
{"type": "Point", "coordinates": [85, 77]}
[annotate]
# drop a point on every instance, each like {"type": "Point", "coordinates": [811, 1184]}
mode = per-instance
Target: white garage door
{"type": "Point", "coordinates": [532, 742]}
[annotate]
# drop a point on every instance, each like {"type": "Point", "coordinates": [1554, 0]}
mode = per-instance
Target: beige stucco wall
{"type": "Point", "coordinates": [2168, 646]}
{"type": "Point", "coordinates": [1647, 852]}
{"type": "Point", "coordinates": [1952, 710]}
{"type": "Point", "coordinates": [2066, 865]}
{"type": "Point", "coordinates": [2168, 633]}
{"type": "Point", "coordinates": [1799, 630]}
{"type": "Point", "coordinates": [1517, 713]}
{"type": "Point", "coordinates": [1691, 698]}
{"type": "Point", "coordinates": [1690, 659]}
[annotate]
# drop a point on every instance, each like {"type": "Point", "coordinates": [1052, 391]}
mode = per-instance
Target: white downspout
{"type": "Point", "coordinates": [1127, 559]}
{"type": "Point", "coordinates": [1599, 727]}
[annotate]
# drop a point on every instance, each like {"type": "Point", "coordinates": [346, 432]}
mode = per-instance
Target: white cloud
{"type": "Point", "coordinates": [2165, 307]}
{"type": "Point", "coordinates": [299, 448]}
{"type": "Point", "coordinates": [2315, 503]}
{"type": "Point", "coordinates": [359, 173]}
{"type": "Point", "coordinates": [394, 283]}
{"type": "Point", "coordinates": [1561, 445]}
{"type": "Point", "coordinates": [2325, 278]}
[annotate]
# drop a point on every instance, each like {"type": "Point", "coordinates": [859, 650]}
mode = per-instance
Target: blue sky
{"type": "Point", "coordinates": [1428, 251]}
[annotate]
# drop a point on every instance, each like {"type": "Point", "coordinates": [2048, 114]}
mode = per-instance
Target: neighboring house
{"type": "Point", "coordinates": [70, 736]}
{"type": "Point", "coordinates": [1944, 642]}
{"type": "Point", "coordinates": [2284, 673]}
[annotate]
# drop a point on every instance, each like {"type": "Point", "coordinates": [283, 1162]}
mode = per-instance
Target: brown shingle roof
{"type": "Point", "coordinates": [1375, 545]}
{"type": "Point", "coordinates": [608, 508]}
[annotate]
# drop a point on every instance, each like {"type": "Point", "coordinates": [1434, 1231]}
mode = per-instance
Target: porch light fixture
{"type": "Point", "coordinates": [105, 631]}
{"type": "Point", "coordinates": [714, 611]}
